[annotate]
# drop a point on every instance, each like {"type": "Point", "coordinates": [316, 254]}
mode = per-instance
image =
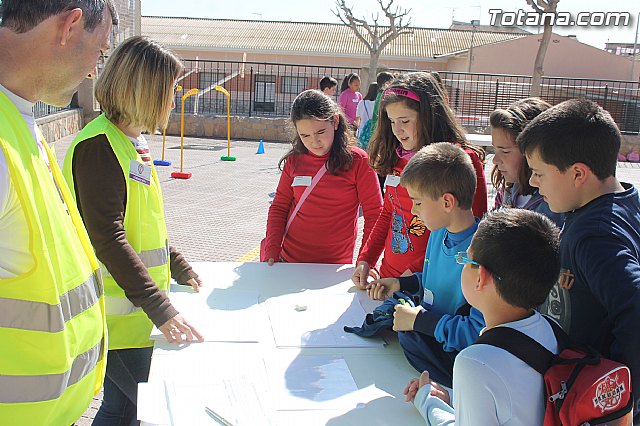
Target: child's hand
{"type": "Point", "coordinates": [361, 274]}
{"type": "Point", "coordinates": [437, 390]}
{"type": "Point", "coordinates": [404, 317]}
{"type": "Point", "coordinates": [383, 288]}
{"type": "Point", "coordinates": [411, 389]}
{"type": "Point", "coordinates": [416, 383]}
{"type": "Point", "coordinates": [270, 261]}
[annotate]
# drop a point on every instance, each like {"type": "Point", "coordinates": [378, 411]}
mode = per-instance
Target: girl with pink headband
{"type": "Point", "coordinates": [413, 113]}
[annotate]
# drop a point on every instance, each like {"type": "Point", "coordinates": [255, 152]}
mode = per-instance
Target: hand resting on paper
{"type": "Point", "coordinates": [178, 330]}
{"type": "Point", "coordinates": [195, 283]}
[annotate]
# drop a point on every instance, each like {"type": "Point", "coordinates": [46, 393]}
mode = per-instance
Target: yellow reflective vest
{"type": "Point", "coordinates": [144, 224]}
{"type": "Point", "coordinates": [52, 324]}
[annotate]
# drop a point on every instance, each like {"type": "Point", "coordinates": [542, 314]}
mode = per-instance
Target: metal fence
{"type": "Point", "coordinates": [40, 109]}
{"type": "Point", "coordinates": [257, 89]}
{"type": "Point", "coordinates": [474, 96]}
{"type": "Point", "coordinates": [268, 89]}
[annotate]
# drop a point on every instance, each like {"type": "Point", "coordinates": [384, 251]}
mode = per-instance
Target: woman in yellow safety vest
{"type": "Point", "coordinates": [114, 183]}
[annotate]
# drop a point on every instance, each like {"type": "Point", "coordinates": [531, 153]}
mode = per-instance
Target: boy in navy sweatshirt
{"type": "Point", "coordinates": [572, 151]}
{"type": "Point", "coordinates": [441, 182]}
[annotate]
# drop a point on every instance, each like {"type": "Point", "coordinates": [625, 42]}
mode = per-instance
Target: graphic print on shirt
{"type": "Point", "coordinates": [417, 227]}
{"type": "Point", "coordinates": [400, 238]}
{"type": "Point", "coordinates": [558, 303]}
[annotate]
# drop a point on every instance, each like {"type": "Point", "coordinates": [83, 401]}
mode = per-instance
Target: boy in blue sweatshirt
{"type": "Point", "coordinates": [572, 150]}
{"type": "Point", "coordinates": [441, 181]}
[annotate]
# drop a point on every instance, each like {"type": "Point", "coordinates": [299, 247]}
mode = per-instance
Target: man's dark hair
{"type": "Point", "coordinates": [21, 16]}
{"type": "Point", "coordinates": [574, 131]}
{"type": "Point", "coordinates": [327, 82]}
{"type": "Point", "coordinates": [522, 248]}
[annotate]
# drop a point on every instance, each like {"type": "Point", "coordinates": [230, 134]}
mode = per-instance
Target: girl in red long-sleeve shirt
{"type": "Point", "coordinates": [413, 113]}
{"type": "Point", "coordinates": [324, 229]}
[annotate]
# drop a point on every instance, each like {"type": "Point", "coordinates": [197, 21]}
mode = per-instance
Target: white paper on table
{"type": "Point", "coordinates": [225, 324]}
{"type": "Point", "coordinates": [317, 319]}
{"type": "Point", "coordinates": [322, 382]}
{"type": "Point", "coordinates": [180, 404]}
{"type": "Point", "coordinates": [152, 403]}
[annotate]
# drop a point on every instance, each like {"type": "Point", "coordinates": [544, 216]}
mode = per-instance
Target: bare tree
{"type": "Point", "coordinates": [374, 36]}
{"type": "Point", "coordinates": [542, 7]}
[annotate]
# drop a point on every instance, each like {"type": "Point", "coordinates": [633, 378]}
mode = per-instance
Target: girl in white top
{"type": "Point", "coordinates": [364, 110]}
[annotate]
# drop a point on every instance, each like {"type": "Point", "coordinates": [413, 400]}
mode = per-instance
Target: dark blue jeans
{"type": "Point", "coordinates": [125, 369]}
{"type": "Point", "coordinates": [426, 353]}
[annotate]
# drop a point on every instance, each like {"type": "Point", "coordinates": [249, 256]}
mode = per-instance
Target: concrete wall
{"type": "Point", "coordinates": [208, 126]}
{"type": "Point", "coordinates": [61, 124]}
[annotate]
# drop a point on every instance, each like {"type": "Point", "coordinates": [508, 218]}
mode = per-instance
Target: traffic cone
{"type": "Point", "coordinates": [260, 148]}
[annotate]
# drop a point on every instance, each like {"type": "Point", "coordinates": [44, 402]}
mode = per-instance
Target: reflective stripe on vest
{"type": "Point", "coordinates": [20, 389]}
{"type": "Point", "coordinates": [150, 259]}
{"type": "Point", "coordinates": [40, 316]}
{"type": "Point", "coordinates": [121, 306]}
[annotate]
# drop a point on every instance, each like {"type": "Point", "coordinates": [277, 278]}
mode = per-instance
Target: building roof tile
{"type": "Point", "coordinates": [311, 38]}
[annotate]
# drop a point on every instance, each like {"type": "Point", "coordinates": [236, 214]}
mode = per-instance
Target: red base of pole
{"type": "Point", "coordinates": [181, 175]}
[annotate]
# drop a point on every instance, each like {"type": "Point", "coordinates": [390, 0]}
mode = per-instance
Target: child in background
{"type": "Point", "coordinates": [511, 173]}
{"type": "Point", "coordinates": [572, 150]}
{"type": "Point", "coordinates": [509, 269]}
{"type": "Point", "coordinates": [328, 86]}
{"type": "Point", "coordinates": [324, 229]}
{"type": "Point", "coordinates": [441, 182]}
{"type": "Point", "coordinates": [413, 114]}
{"type": "Point", "coordinates": [364, 111]}
{"type": "Point", "coordinates": [349, 98]}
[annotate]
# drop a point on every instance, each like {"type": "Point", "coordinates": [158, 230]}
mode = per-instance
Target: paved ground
{"type": "Point", "coordinates": [219, 214]}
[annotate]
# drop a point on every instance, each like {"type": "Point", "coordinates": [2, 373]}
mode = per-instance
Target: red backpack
{"type": "Point", "coordinates": [581, 387]}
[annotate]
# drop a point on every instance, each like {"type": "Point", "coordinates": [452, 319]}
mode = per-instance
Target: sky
{"type": "Point", "coordinates": [424, 13]}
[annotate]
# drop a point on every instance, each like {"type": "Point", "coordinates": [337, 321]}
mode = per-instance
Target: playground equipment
{"type": "Point", "coordinates": [181, 174]}
{"type": "Point", "coordinates": [164, 162]}
{"type": "Point", "coordinates": [227, 157]}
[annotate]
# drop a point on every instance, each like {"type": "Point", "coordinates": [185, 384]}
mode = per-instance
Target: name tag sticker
{"type": "Point", "coordinates": [301, 181]}
{"type": "Point", "coordinates": [427, 297]}
{"type": "Point", "coordinates": [355, 100]}
{"type": "Point", "coordinates": [392, 180]}
{"type": "Point", "coordinates": [140, 172]}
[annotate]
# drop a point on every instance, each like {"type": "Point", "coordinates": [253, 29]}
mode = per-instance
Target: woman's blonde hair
{"type": "Point", "coordinates": [136, 86]}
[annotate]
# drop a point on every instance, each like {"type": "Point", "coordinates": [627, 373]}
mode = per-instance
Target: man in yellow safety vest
{"type": "Point", "coordinates": [52, 322]}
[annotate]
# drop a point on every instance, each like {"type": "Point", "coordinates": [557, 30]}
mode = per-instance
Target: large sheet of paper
{"type": "Point", "coordinates": [317, 319]}
{"type": "Point", "coordinates": [220, 315]}
{"type": "Point", "coordinates": [318, 382]}
{"type": "Point", "coordinates": [180, 404]}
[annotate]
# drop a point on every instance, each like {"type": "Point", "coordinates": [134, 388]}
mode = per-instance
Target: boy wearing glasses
{"type": "Point", "coordinates": [509, 269]}
{"type": "Point", "coordinates": [441, 181]}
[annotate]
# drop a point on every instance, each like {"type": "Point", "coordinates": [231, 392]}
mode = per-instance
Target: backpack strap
{"type": "Point", "coordinates": [519, 345]}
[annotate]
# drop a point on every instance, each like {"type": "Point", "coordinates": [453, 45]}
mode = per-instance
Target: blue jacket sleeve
{"type": "Point", "coordinates": [455, 332]}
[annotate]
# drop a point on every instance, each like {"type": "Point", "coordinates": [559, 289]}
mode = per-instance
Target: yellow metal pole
{"type": "Point", "coordinates": [180, 174]}
{"type": "Point", "coordinates": [228, 157]}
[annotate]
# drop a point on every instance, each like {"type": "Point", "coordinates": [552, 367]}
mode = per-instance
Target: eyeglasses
{"type": "Point", "coordinates": [461, 259]}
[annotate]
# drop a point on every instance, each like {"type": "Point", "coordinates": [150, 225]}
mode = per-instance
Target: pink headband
{"type": "Point", "coordinates": [401, 92]}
